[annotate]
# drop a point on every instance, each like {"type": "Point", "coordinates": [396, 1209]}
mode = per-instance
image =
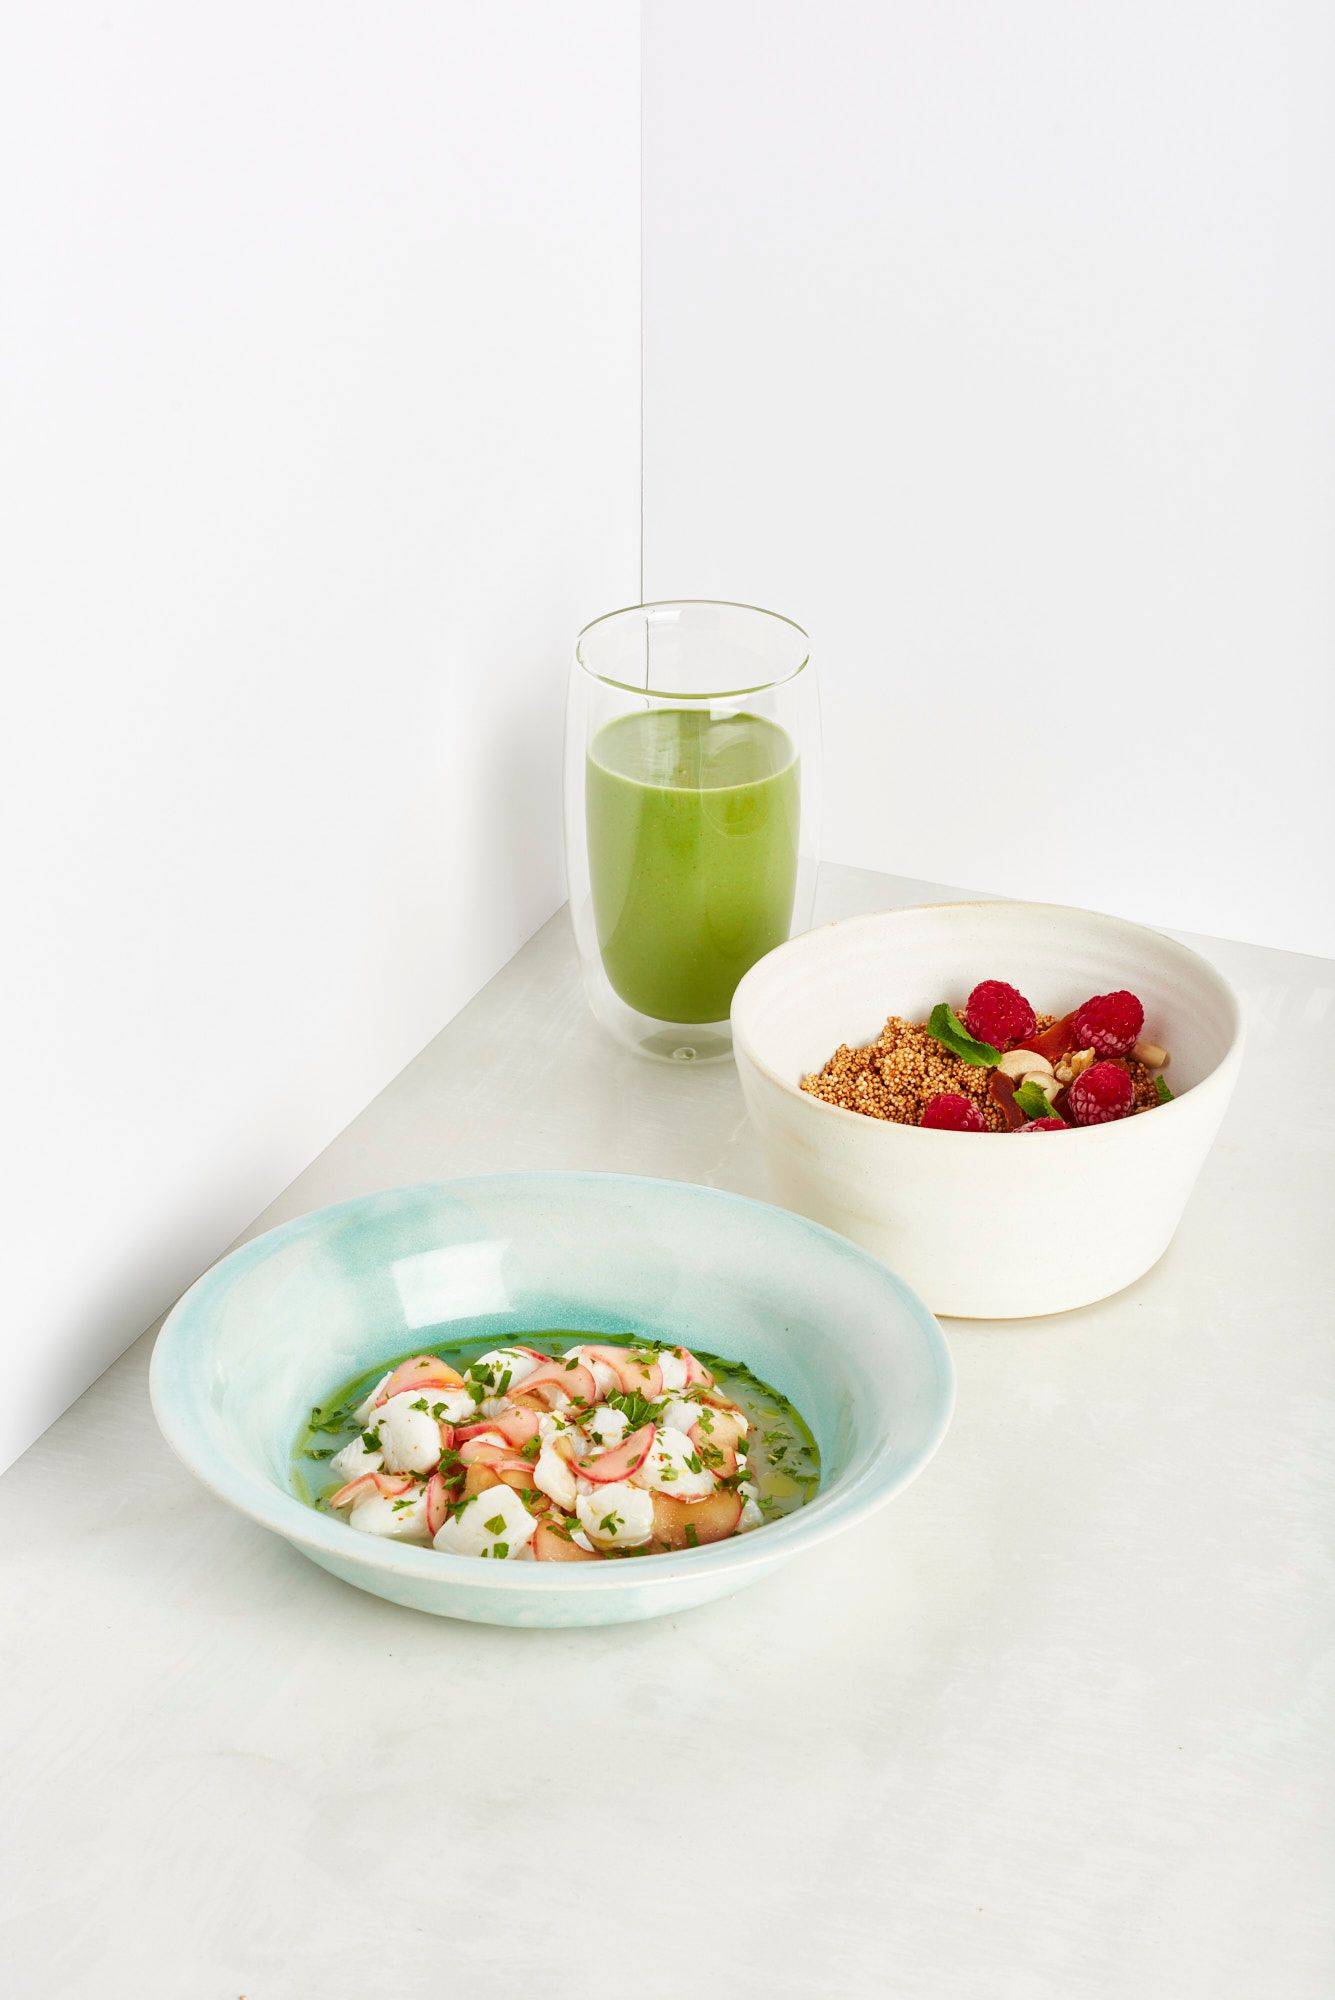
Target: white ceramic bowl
{"type": "Point", "coordinates": [980, 1228]}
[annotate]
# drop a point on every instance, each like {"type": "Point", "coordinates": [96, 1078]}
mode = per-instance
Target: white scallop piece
{"type": "Point", "coordinates": [409, 1436]}
{"type": "Point", "coordinates": [668, 1468]}
{"type": "Point", "coordinates": [496, 1519]}
{"type": "Point", "coordinates": [616, 1516]}
{"type": "Point", "coordinates": [401, 1519]}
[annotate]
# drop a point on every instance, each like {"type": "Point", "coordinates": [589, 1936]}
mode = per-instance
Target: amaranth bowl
{"type": "Point", "coordinates": [982, 1226]}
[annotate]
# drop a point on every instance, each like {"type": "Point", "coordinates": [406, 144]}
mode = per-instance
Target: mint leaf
{"type": "Point", "coordinates": [946, 1027]}
{"type": "Point", "coordinates": [1032, 1101]}
{"type": "Point", "coordinates": [1161, 1091]}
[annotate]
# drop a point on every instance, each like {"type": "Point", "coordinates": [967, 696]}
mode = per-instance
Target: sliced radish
{"type": "Point", "coordinates": [715, 1452]}
{"type": "Point", "coordinates": [424, 1371]}
{"type": "Point", "coordinates": [555, 1379]}
{"type": "Point", "coordinates": [550, 1546]}
{"type": "Point", "coordinates": [686, 1524]}
{"type": "Point", "coordinates": [639, 1379]}
{"type": "Point", "coordinates": [623, 1459]}
{"type": "Point", "coordinates": [489, 1427]}
{"type": "Point", "coordinates": [696, 1372]}
{"type": "Point", "coordinates": [633, 1378]}
{"type": "Point", "coordinates": [446, 1436]}
{"type": "Point", "coordinates": [389, 1485]}
{"type": "Point", "coordinates": [437, 1502]}
{"type": "Point", "coordinates": [484, 1441]}
{"type": "Point", "coordinates": [520, 1427]}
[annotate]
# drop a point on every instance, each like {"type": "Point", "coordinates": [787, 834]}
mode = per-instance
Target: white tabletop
{"type": "Point", "coordinates": [1054, 1725]}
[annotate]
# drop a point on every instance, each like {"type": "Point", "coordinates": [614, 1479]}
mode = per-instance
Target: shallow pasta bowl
{"type": "Point", "coordinates": [986, 1225]}
{"type": "Point", "coordinates": [270, 1330]}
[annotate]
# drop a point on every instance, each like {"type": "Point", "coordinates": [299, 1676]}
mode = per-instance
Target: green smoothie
{"type": "Point", "coordinates": [693, 823]}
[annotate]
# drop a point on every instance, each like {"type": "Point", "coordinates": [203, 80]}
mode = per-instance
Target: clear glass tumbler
{"type": "Point", "coordinates": [692, 810]}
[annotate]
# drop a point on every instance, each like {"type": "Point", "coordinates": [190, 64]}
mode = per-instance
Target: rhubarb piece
{"type": "Point", "coordinates": [722, 1428]}
{"type": "Point", "coordinates": [551, 1546]}
{"type": "Point", "coordinates": [623, 1459]}
{"type": "Point", "coordinates": [686, 1524]}
{"type": "Point", "coordinates": [424, 1371]}
{"type": "Point", "coordinates": [1001, 1091]}
{"type": "Point", "coordinates": [388, 1485]}
{"type": "Point", "coordinates": [1056, 1041]}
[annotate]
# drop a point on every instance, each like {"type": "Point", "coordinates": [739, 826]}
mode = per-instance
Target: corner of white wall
{"type": "Point", "coordinates": [321, 407]}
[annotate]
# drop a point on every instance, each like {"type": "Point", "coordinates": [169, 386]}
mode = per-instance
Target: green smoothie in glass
{"type": "Point", "coordinates": [692, 829]}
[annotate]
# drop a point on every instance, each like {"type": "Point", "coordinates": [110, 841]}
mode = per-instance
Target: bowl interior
{"type": "Point", "coordinates": [839, 984]}
{"type": "Point", "coordinates": [274, 1327]}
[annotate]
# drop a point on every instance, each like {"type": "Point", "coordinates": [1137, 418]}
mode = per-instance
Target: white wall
{"type": "Point", "coordinates": [319, 406]}
{"type": "Point", "coordinates": [997, 344]}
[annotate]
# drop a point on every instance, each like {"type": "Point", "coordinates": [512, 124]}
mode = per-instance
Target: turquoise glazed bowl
{"type": "Point", "coordinates": [275, 1326]}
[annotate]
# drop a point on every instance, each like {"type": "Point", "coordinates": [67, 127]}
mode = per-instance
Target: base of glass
{"type": "Point", "coordinates": [681, 1042]}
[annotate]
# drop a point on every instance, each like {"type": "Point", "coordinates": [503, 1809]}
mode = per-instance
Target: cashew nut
{"type": "Point", "coordinates": [1024, 1062]}
{"type": "Point", "coordinates": [1151, 1055]}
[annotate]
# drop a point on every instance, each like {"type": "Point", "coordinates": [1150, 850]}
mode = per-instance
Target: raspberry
{"type": "Point", "coordinates": [1044, 1125]}
{"type": "Point", "coordinates": [948, 1111]}
{"type": "Point", "coordinates": [994, 1012]}
{"type": "Point", "coordinates": [1104, 1092]}
{"type": "Point", "coordinates": [1110, 1024]}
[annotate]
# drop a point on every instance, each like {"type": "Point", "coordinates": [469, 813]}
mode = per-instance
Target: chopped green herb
{"type": "Point", "coordinates": [946, 1027]}
{"type": "Point", "coordinates": [1033, 1101]}
{"type": "Point", "coordinates": [496, 1525]}
{"type": "Point", "coordinates": [1162, 1092]}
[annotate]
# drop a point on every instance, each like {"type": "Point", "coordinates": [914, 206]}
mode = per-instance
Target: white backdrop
{"type": "Point", "coordinates": [319, 403]}
{"type": "Point", "coordinates": [997, 345]}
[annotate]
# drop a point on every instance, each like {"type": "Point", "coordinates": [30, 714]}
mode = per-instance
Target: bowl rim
{"type": "Point", "coordinates": [866, 919]}
{"type": "Point", "coordinates": [281, 1511]}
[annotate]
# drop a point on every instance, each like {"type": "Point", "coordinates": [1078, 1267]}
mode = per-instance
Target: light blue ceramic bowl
{"type": "Point", "coordinates": [271, 1329]}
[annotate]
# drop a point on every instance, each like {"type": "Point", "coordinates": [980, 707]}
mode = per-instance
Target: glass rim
{"type": "Point", "coordinates": [681, 603]}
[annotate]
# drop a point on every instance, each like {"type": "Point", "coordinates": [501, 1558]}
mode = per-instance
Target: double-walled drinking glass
{"type": "Point", "coordinates": [692, 812]}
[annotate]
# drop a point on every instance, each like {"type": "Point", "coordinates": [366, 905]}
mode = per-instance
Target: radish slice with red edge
{"type": "Point", "coordinates": [623, 1459]}
{"type": "Point", "coordinates": [483, 1445]}
{"type": "Point", "coordinates": [558, 1378]}
{"type": "Point", "coordinates": [389, 1485]}
{"type": "Point", "coordinates": [424, 1371]}
{"type": "Point", "coordinates": [437, 1503]}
